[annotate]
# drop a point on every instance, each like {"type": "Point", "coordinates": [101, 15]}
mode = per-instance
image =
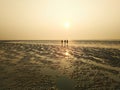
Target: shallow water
{"type": "Point", "coordinates": [48, 65]}
{"type": "Point", "coordinates": [83, 43]}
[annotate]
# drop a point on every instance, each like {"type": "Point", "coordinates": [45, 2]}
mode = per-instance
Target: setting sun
{"type": "Point", "coordinates": [67, 24]}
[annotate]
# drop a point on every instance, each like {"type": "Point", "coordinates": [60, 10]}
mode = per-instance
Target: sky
{"type": "Point", "coordinates": [59, 19]}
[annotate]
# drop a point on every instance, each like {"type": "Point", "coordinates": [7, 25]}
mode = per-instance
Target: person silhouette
{"type": "Point", "coordinates": [67, 42]}
{"type": "Point", "coordinates": [61, 42]}
{"type": "Point", "coordinates": [64, 42]}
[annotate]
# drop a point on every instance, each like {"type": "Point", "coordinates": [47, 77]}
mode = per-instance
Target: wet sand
{"type": "Point", "coordinates": [54, 67]}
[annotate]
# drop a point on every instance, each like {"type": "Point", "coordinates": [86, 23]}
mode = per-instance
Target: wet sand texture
{"type": "Point", "coordinates": [52, 67]}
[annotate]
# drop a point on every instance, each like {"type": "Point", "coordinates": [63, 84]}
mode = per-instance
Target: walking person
{"type": "Point", "coordinates": [64, 42]}
{"type": "Point", "coordinates": [61, 42]}
{"type": "Point", "coordinates": [67, 42]}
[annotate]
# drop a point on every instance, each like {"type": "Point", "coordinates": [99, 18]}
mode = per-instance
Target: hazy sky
{"type": "Point", "coordinates": [45, 19]}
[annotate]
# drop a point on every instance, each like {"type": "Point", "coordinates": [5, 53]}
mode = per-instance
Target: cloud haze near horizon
{"type": "Point", "coordinates": [44, 19]}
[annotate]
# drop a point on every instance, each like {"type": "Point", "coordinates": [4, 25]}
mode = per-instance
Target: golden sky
{"type": "Point", "coordinates": [59, 19]}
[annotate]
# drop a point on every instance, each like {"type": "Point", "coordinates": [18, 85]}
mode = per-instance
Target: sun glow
{"type": "Point", "coordinates": [67, 24]}
{"type": "Point", "coordinates": [66, 53]}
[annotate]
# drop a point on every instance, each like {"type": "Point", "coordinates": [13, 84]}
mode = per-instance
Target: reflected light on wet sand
{"type": "Point", "coordinates": [66, 53]}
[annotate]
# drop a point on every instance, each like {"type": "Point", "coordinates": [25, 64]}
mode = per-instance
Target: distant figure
{"type": "Point", "coordinates": [67, 42]}
{"type": "Point", "coordinates": [61, 42]}
{"type": "Point", "coordinates": [64, 42]}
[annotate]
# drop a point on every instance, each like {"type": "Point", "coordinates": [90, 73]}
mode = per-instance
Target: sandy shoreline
{"type": "Point", "coordinates": [53, 67]}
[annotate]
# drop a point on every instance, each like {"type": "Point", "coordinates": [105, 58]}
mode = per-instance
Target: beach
{"type": "Point", "coordinates": [45, 66]}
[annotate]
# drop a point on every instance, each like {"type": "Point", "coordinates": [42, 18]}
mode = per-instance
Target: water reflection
{"type": "Point", "coordinates": [66, 53]}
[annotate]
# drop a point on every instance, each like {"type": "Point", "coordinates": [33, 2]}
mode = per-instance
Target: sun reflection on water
{"type": "Point", "coordinates": [66, 53]}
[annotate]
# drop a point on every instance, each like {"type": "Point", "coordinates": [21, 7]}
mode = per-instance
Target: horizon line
{"type": "Point", "coordinates": [62, 39]}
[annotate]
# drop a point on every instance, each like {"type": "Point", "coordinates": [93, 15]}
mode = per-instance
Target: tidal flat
{"type": "Point", "coordinates": [25, 66]}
